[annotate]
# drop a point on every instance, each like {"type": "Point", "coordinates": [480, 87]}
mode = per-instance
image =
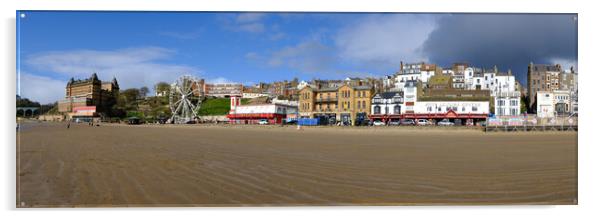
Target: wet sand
{"type": "Point", "coordinates": [205, 165]}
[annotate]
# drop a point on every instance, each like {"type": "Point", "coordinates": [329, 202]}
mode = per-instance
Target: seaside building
{"type": "Point", "coordinates": [88, 98]}
{"type": "Point", "coordinates": [346, 103]}
{"type": "Point", "coordinates": [387, 103]}
{"type": "Point", "coordinates": [541, 77]}
{"type": "Point", "coordinates": [222, 90]}
{"type": "Point", "coordinates": [286, 89]}
{"type": "Point", "coordinates": [554, 103]}
{"type": "Point", "coordinates": [435, 103]}
{"type": "Point", "coordinates": [507, 103]}
{"type": "Point", "coordinates": [273, 113]}
{"type": "Point", "coordinates": [410, 72]}
{"type": "Point", "coordinates": [253, 92]}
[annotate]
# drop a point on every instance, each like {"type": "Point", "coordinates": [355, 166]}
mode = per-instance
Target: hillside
{"type": "Point", "coordinates": [217, 106]}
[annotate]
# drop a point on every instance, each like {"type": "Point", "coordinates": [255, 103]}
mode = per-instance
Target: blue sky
{"type": "Point", "coordinates": [142, 48]}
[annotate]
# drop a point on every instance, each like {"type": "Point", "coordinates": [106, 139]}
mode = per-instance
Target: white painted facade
{"type": "Point", "coordinates": [507, 103]}
{"type": "Point", "coordinates": [253, 95]}
{"type": "Point", "coordinates": [387, 103]}
{"type": "Point", "coordinates": [426, 75]}
{"type": "Point", "coordinates": [401, 79]}
{"type": "Point", "coordinates": [468, 76]}
{"type": "Point", "coordinates": [488, 79]}
{"type": "Point", "coordinates": [554, 103]}
{"type": "Point", "coordinates": [447, 71]}
{"type": "Point", "coordinates": [460, 107]}
{"type": "Point", "coordinates": [545, 104]}
{"type": "Point", "coordinates": [503, 83]}
{"type": "Point", "coordinates": [458, 81]}
{"type": "Point", "coordinates": [264, 109]}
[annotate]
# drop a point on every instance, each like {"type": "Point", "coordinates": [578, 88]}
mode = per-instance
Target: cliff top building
{"type": "Point", "coordinates": [89, 97]}
{"type": "Point", "coordinates": [544, 77]}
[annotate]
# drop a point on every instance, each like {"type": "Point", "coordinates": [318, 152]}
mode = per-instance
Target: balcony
{"type": "Point", "coordinates": [326, 110]}
{"type": "Point", "coordinates": [326, 99]}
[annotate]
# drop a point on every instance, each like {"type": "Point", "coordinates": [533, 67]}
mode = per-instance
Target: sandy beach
{"type": "Point", "coordinates": [211, 165]}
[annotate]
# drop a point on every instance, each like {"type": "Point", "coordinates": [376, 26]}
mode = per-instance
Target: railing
{"type": "Point", "coordinates": [532, 123]}
{"type": "Point", "coordinates": [327, 99]}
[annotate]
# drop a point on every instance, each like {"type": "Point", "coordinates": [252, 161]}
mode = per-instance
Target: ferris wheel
{"type": "Point", "coordinates": [185, 96]}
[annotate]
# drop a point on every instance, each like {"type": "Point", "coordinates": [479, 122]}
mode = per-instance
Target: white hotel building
{"type": "Point", "coordinates": [405, 104]}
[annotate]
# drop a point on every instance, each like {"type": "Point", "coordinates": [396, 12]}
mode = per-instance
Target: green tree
{"type": "Point", "coordinates": [143, 92]}
{"type": "Point", "coordinates": [162, 87]}
{"type": "Point", "coordinates": [130, 95]}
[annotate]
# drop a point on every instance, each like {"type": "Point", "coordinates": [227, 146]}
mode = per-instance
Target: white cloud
{"type": "Point", "coordinates": [565, 63]}
{"type": "Point", "coordinates": [307, 57]}
{"type": "Point", "coordinates": [133, 67]}
{"type": "Point", "coordinates": [252, 56]}
{"type": "Point", "coordinates": [182, 35]}
{"type": "Point", "coordinates": [219, 80]}
{"type": "Point", "coordinates": [249, 17]}
{"type": "Point", "coordinates": [385, 39]}
{"type": "Point", "coordinates": [246, 22]}
{"type": "Point", "coordinates": [252, 27]}
{"type": "Point", "coordinates": [40, 88]}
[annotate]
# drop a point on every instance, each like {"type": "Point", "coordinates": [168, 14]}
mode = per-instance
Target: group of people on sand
{"type": "Point", "coordinates": [90, 123]}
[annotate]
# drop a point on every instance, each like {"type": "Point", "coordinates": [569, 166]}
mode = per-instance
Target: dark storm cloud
{"type": "Point", "coordinates": [509, 41]}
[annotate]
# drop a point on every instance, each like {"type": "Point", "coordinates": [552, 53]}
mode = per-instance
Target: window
{"type": "Point", "coordinates": [363, 104]}
{"type": "Point", "coordinates": [500, 102]}
{"type": "Point", "coordinates": [430, 108]}
{"type": "Point", "coordinates": [376, 109]}
{"type": "Point", "coordinates": [474, 108]}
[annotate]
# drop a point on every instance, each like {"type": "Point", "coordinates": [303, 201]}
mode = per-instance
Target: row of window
{"type": "Point", "coordinates": [397, 109]}
{"type": "Point", "coordinates": [454, 108]}
{"type": "Point", "coordinates": [502, 112]}
{"type": "Point", "coordinates": [345, 105]}
{"type": "Point", "coordinates": [503, 102]}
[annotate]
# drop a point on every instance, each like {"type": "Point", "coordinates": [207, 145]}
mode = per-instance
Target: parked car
{"type": "Point", "coordinates": [445, 122]}
{"type": "Point", "coordinates": [378, 123]}
{"type": "Point", "coordinates": [422, 122]}
{"type": "Point", "coordinates": [408, 122]}
{"type": "Point", "coordinates": [263, 122]}
{"type": "Point", "coordinates": [394, 122]}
